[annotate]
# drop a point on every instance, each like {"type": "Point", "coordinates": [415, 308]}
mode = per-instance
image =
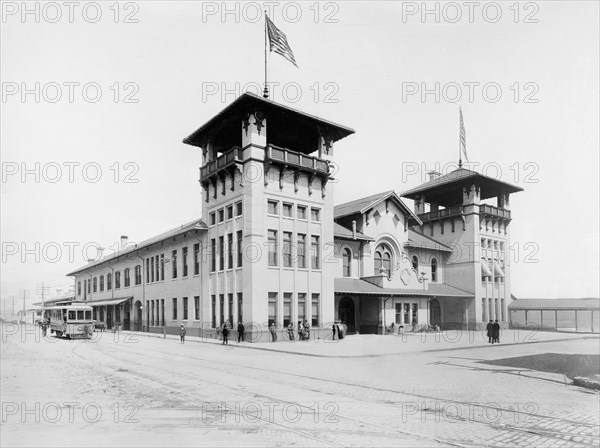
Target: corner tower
{"type": "Point", "coordinates": [470, 213]}
{"type": "Point", "coordinates": [268, 202]}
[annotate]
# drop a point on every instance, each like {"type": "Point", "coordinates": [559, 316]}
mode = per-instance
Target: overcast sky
{"type": "Point", "coordinates": [526, 78]}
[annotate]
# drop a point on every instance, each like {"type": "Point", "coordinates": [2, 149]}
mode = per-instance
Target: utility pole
{"type": "Point", "coordinates": [42, 290]}
{"type": "Point", "coordinates": [12, 313]}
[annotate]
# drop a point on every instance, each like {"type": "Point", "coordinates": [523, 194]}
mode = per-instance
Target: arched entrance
{"type": "Point", "coordinates": [138, 315]}
{"type": "Point", "coordinates": [126, 316]}
{"type": "Point", "coordinates": [435, 313]}
{"type": "Point", "coordinates": [347, 314]}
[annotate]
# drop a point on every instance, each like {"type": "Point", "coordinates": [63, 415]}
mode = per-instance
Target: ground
{"type": "Point", "coordinates": [449, 389]}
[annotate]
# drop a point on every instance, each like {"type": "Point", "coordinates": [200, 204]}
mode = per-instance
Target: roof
{"type": "Point", "coordinates": [363, 205]}
{"type": "Point", "coordinates": [553, 304]}
{"type": "Point", "coordinates": [230, 118]}
{"type": "Point", "coordinates": [340, 231]}
{"type": "Point", "coordinates": [108, 301]}
{"type": "Point", "coordinates": [447, 189]}
{"type": "Point", "coordinates": [418, 240]}
{"type": "Point", "coordinates": [196, 224]}
{"type": "Point", "coordinates": [347, 285]}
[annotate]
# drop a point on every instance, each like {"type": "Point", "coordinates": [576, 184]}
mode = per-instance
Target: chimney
{"type": "Point", "coordinates": [354, 229]}
{"type": "Point", "coordinates": [124, 239]}
{"type": "Point", "coordinates": [433, 175]}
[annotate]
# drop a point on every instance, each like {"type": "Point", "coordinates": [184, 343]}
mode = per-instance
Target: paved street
{"type": "Point", "coordinates": [135, 390]}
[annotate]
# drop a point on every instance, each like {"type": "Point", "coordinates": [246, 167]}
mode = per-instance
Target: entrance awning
{"type": "Point", "coordinates": [346, 285]}
{"type": "Point", "coordinates": [108, 302]}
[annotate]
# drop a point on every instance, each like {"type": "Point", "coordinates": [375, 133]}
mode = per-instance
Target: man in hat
{"type": "Point", "coordinates": [240, 329]}
{"type": "Point", "coordinates": [496, 332]}
{"type": "Point", "coordinates": [182, 334]}
{"type": "Point", "coordinates": [490, 331]}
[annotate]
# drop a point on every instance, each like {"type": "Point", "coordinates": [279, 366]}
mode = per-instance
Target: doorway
{"type": "Point", "coordinates": [435, 313]}
{"type": "Point", "coordinates": [347, 313]}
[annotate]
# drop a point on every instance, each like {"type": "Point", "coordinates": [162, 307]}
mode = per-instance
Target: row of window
{"type": "Point", "coordinates": [289, 257]}
{"type": "Point", "coordinates": [488, 243]}
{"type": "Point", "coordinates": [225, 213]}
{"type": "Point", "coordinates": [492, 309]}
{"type": "Point", "coordinates": [225, 309]}
{"type": "Point", "coordinates": [224, 247]}
{"type": "Point", "coordinates": [156, 310]}
{"type": "Point", "coordinates": [407, 313]}
{"type": "Point", "coordinates": [96, 284]}
{"type": "Point", "coordinates": [287, 210]}
{"type": "Point", "coordinates": [302, 311]}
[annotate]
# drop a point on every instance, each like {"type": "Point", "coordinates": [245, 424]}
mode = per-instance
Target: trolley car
{"type": "Point", "coordinates": [72, 321]}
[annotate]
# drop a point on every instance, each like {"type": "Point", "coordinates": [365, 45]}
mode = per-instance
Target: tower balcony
{"type": "Point", "coordinates": [228, 158]}
{"type": "Point", "coordinates": [487, 211]}
{"type": "Point", "coordinates": [494, 212]}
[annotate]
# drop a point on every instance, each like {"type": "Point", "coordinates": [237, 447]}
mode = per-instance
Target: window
{"type": "Point", "coordinates": [127, 277]}
{"type": "Point", "coordinates": [185, 308]}
{"type": "Point", "coordinates": [272, 208]}
{"type": "Point", "coordinates": [108, 282]}
{"type": "Point", "coordinates": [230, 308]}
{"type": "Point", "coordinates": [213, 310]}
{"type": "Point", "coordinates": [406, 313]}
{"type": "Point", "coordinates": [196, 258]}
{"type": "Point", "coordinates": [162, 266]}
{"type": "Point", "coordinates": [434, 275]}
{"type": "Point", "coordinates": [301, 212]}
{"type": "Point", "coordinates": [415, 263]}
{"type": "Point", "coordinates": [147, 270]}
{"type": "Point", "coordinates": [213, 219]}
{"type": "Point", "coordinates": [138, 274]}
{"type": "Point", "coordinates": [383, 260]}
{"type": "Point", "coordinates": [174, 308]}
{"type": "Point", "coordinates": [399, 313]}
{"type": "Point", "coordinates": [287, 210]}
{"type": "Point", "coordinates": [230, 251]}
{"type": "Point", "coordinates": [301, 251]}
{"type": "Point", "coordinates": [301, 306]}
{"type": "Point", "coordinates": [315, 214]}
{"type": "Point", "coordinates": [287, 309]}
{"type": "Point", "coordinates": [213, 255]}
{"type": "Point", "coordinates": [240, 307]}
{"type": "Point", "coordinates": [347, 261]}
{"type": "Point", "coordinates": [287, 249]}
{"type": "Point", "coordinates": [95, 284]}
{"type": "Point", "coordinates": [197, 307]}
{"type": "Point", "coordinates": [238, 208]}
{"type": "Point", "coordinates": [230, 212]}
{"type": "Point", "coordinates": [101, 283]}
{"type": "Point", "coordinates": [152, 305]}
{"type": "Point", "coordinates": [156, 267]}
{"type": "Point", "coordinates": [221, 253]}
{"type": "Point", "coordinates": [314, 249]}
{"type": "Point", "coordinates": [239, 249]}
{"type": "Point", "coordinates": [221, 214]}
{"type": "Point", "coordinates": [222, 308]}
{"type": "Point", "coordinates": [272, 243]}
{"type": "Point", "coordinates": [117, 280]}
{"type": "Point", "coordinates": [184, 257]}
{"type": "Point", "coordinates": [272, 308]}
{"type": "Point", "coordinates": [315, 310]}
{"type": "Point", "coordinates": [415, 308]}
{"type": "Point", "coordinates": [89, 286]}
{"type": "Point", "coordinates": [174, 264]}
{"type": "Point", "coordinates": [483, 310]}
{"type": "Point", "coordinates": [79, 288]}
{"type": "Point", "coordinates": [152, 269]}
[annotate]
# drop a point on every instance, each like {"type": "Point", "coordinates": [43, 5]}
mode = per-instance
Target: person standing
{"type": "Point", "coordinates": [182, 334]}
{"type": "Point", "coordinates": [290, 329]}
{"type": "Point", "coordinates": [273, 333]}
{"type": "Point", "coordinates": [333, 329]}
{"type": "Point", "coordinates": [240, 330]}
{"type": "Point", "coordinates": [43, 326]}
{"type": "Point", "coordinates": [300, 331]}
{"type": "Point", "coordinates": [496, 332]}
{"type": "Point", "coordinates": [225, 332]}
{"type": "Point", "coordinates": [306, 330]}
{"type": "Point", "coordinates": [490, 331]}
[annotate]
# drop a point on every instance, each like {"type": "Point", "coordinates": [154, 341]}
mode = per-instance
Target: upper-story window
{"type": "Point", "coordinates": [138, 274]}
{"type": "Point", "coordinates": [347, 260]}
{"type": "Point", "coordinates": [415, 263]}
{"type": "Point", "coordinates": [287, 210]}
{"type": "Point", "coordinates": [174, 264]}
{"type": "Point", "coordinates": [79, 288]}
{"type": "Point", "coordinates": [230, 212]}
{"type": "Point", "coordinates": [117, 279]}
{"type": "Point", "coordinates": [95, 284]}
{"type": "Point", "coordinates": [221, 214]}
{"type": "Point", "coordinates": [272, 243]}
{"type": "Point", "coordinates": [301, 212]}
{"type": "Point", "coordinates": [101, 280]}
{"type": "Point", "coordinates": [108, 282]}
{"type": "Point", "coordinates": [213, 218]}
{"type": "Point", "coordinates": [238, 208]}
{"type": "Point", "coordinates": [272, 207]}
{"type": "Point", "coordinates": [434, 265]}
{"type": "Point", "coordinates": [126, 277]}
{"type": "Point", "coordinates": [383, 260]}
{"type": "Point", "coordinates": [315, 214]}
{"type": "Point", "coordinates": [184, 261]}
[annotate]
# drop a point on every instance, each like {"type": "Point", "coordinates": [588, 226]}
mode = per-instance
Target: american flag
{"type": "Point", "coordinates": [463, 136]}
{"type": "Point", "coordinates": [278, 42]}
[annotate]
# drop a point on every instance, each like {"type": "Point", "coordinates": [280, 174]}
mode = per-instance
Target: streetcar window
{"type": "Point", "coordinates": [88, 315]}
{"type": "Point", "coordinates": [80, 315]}
{"type": "Point", "coordinates": [72, 315]}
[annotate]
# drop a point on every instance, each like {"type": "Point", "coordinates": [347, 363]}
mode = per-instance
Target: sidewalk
{"type": "Point", "coordinates": [371, 345]}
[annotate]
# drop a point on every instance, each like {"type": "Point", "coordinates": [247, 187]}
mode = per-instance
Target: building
{"type": "Point", "coordinates": [573, 315]}
{"type": "Point", "coordinates": [271, 248]}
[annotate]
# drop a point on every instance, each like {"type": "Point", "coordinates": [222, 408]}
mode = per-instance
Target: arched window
{"type": "Point", "coordinates": [383, 260]}
{"type": "Point", "coordinates": [434, 265]}
{"type": "Point", "coordinates": [415, 263]}
{"type": "Point", "coordinates": [347, 260]}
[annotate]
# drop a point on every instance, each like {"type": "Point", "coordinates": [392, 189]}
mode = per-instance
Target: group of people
{"type": "Point", "coordinates": [303, 331]}
{"type": "Point", "coordinates": [224, 330]}
{"type": "Point", "coordinates": [493, 332]}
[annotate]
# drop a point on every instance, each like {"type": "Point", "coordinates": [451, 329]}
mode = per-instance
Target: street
{"type": "Point", "coordinates": [127, 389]}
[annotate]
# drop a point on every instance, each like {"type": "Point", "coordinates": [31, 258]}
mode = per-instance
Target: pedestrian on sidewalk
{"type": "Point", "coordinates": [490, 331]}
{"type": "Point", "coordinates": [496, 332]}
{"type": "Point", "coordinates": [333, 328]}
{"type": "Point", "coordinates": [225, 332]}
{"type": "Point", "coordinates": [306, 330]}
{"type": "Point", "coordinates": [240, 329]}
{"type": "Point", "coordinates": [300, 331]}
{"type": "Point", "coordinates": [273, 333]}
{"type": "Point", "coordinates": [290, 329]}
{"type": "Point", "coordinates": [182, 334]}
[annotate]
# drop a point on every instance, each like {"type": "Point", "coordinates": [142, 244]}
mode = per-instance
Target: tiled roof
{"type": "Point", "coordinates": [340, 231]}
{"type": "Point", "coordinates": [346, 285]}
{"type": "Point", "coordinates": [416, 239]}
{"type": "Point", "coordinates": [196, 224]}
{"type": "Point", "coordinates": [549, 304]}
{"type": "Point", "coordinates": [362, 205]}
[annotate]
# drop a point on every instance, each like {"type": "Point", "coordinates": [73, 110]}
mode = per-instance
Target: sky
{"type": "Point", "coordinates": [96, 100]}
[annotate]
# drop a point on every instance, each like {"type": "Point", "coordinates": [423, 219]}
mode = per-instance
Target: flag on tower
{"type": "Point", "coordinates": [278, 42]}
{"type": "Point", "coordinates": [463, 136]}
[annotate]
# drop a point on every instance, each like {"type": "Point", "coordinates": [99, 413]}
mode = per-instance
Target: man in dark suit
{"type": "Point", "coordinates": [490, 331]}
{"type": "Point", "coordinates": [496, 330]}
{"type": "Point", "coordinates": [240, 330]}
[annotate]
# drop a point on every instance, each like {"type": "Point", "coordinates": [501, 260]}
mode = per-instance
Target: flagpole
{"type": "Point", "coordinates": [459, 140]}
{"type": "Point", "coordinates": [266, 91]}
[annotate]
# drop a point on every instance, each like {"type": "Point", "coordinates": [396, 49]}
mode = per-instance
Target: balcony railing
{"type": "Point", "coordinates": [494, 211]}
{"type": "Point", "coordinates": [296, 159]}
{"type": "Point", "coordinates": [224, 160]}
{"type": "Point", "coordinates": [439, 214]}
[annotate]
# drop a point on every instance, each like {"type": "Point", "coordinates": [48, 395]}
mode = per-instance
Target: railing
{"type": "Point", "coordinates": [225, 159]}
{"type": "Point", "coordinates": [494, 211]}
{"type": "Point", "coordinates": [296, 158]}
{"type": "Point", "coordinates": [438, 214]}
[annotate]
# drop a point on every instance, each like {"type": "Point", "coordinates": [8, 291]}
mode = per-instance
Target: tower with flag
{"type": "Point", "coordinates": [275, 40]}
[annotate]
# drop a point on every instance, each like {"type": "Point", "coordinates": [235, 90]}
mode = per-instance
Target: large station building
{"type": "Point", "coordinates": [271, 247]}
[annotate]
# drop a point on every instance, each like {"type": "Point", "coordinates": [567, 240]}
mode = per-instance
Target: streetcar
{"type": "Point", "coordinates": [72, 321]}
